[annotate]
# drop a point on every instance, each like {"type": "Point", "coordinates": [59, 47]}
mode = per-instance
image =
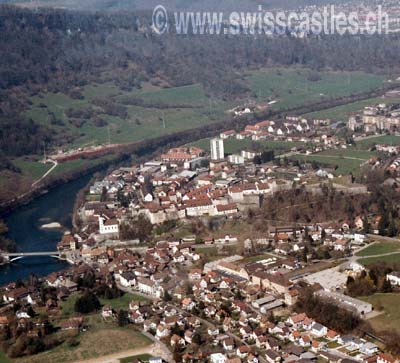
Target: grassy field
{"type": "Point", "coordinates": [141, 123]}
{"type": "Point", "coordinates": [292, 87]}
{"type": "Point", "coordinates": [101, 339]}
{"type": "Point", "coordinates": [384, 139]}
{"type": "Point", "coordinates": [233, 145]}
{"type": "Point", "coordinates": [389, 305]}
{"type": "Point", "coordinates": [123, 301]}
{"type": "Point", "coordinates": [289, 87]}
{"type": "Point", "coordinates": [118, 303]}
{"type": "Point", "coordinates": [379, 249]}
{"type": "Point", "coordinates": [342, 113]}
{"type": "Point", "coordinates": [390, 259]}
{"type": "Point", "coordinates": [31, 168]}
{"type": "Point", "coordinates": [252, 259]}
{"type": "Point", "coordinates": [345, 166]}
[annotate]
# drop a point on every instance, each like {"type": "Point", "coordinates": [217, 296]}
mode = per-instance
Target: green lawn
{"type": "Point", "coordinates": [390, 259]}
{"type": "Point", "coordinates": [123, 301]}
{"type": "Point", "coordinates": [389, 305]}
{"type": "Point", "coordinates": [379, 248]}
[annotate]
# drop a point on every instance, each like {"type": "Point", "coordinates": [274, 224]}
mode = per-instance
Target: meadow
{"type": "Point", "coordinates": [388, 304]}
{"type": "Point", "coordinates": [379, 248]}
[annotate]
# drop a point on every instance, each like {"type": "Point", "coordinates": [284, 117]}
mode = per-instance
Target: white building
{"type": "Point", "coordinates": [394, 278]}
{"type": "Point", "coordinates": [109, 226]}
{"type": "Point", "coordinates": [217, 149]}
{"type": "Point", "coordinates": [236, 159]}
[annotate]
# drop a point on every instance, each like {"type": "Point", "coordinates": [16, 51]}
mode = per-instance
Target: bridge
{"type": "Point", "coordinates": [13, 256]}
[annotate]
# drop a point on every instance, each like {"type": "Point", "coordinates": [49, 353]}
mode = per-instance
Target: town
{"type": "Point", "coordinates": [197, 240]}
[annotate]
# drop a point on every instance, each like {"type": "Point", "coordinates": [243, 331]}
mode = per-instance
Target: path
{"type": "Point", "coordinates": [47, 172]}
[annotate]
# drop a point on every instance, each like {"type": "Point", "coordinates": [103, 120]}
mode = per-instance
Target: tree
{"type": "Point", "coordinates": [87, 303]}
{"type": "Point", "coordinates": [167, 296]}
{"type": "Point", "coordinates": [122, 317]}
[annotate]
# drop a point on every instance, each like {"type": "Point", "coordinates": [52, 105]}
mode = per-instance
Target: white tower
{"type": "Point", "coordinates": [217, 149]}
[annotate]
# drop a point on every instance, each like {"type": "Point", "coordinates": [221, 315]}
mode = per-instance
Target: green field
{"type": "Point", "coordinates": [142, 122]}
{"type": "Point", "coordinates": [31, 168]}
{"type": "Point", "coordinates": [232, 145]}
{"type": "Point", "coordinates": [389, 305]}
{"type": "Point", "coordinates": [342, 113]}
{"type": "Point", "coordinates": [188, 107]}
{"type": "Point", "coordinates": [384, 139]}
{"type": "Point", "coordinates": [389, 259]}
{"type": "Point", "coordinates": [379, 249]}
{"type": "Point", "coordinates": [344, 166]}
{"type": "Point", "coordinates": [118, 303]}
{"type": "Point", "coordinates": [292, 87]}
{"type": "Point", "coordinates": [123, 301]}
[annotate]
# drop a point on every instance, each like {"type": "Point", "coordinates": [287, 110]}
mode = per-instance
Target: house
{"type": "Point", "coordinates": [394, 278]}
{"type": "Point", "coordinates": [127, 279]}
{"type": "Point", "coordinates": [272, 356]}
{"type": "Point", "coordinates": [177, 341]}
{"type": "Point", "coordinates": [107, 312]}
{"type": "Point", "coordinates": [228, 344]}
{"type": "Point", "coordinates": [369, 348]}
{"type": "Point", "coordinates": [218, 358]}
{"type": "Point", "coordinates": [155, 360]}
{"type": "Point", "coordinates": [318, 330]}
{"type": "Point", "coordinates": [386, 358]}
{"type": "Point", "coordinates": [75, 323]}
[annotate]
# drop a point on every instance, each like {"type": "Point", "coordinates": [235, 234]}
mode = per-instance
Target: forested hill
{"type": "Point", "coordinates": [57, 50]}
{"type": "Point", "coordinates": [194, 5]}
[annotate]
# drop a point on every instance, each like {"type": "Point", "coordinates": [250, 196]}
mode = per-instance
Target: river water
{"type": "Point", "coordinates": [24, 228]}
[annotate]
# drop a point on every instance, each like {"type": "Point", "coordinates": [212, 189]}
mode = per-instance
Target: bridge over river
{"type": "Point", "coordinates": [13, 256]}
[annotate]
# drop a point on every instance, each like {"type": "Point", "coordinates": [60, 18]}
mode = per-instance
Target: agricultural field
{"type": "Point", "coordinates": [294, 87]}
{"type": "Point", "coordinates": [379, 249]}
{"type": "Point", "coordinates": [388, 304]}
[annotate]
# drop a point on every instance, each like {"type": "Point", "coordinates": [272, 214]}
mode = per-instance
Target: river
{"type": "Point", "coordinates": [25, 223]}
